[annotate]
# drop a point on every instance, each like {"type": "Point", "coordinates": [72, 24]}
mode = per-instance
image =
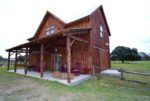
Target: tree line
{"type": "Point", "coordinates": [123, 53]}
{"type": "Point", "coordinates": [120, 53]}
{"type": "Point", "coordinates": [20, 58]}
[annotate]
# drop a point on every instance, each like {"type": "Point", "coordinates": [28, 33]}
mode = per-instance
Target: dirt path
{"type": "Point", "coordinates": [27, 89]}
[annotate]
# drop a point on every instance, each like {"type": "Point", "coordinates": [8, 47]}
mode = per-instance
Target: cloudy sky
{"type": "Point", "coordinates": [129, 20]}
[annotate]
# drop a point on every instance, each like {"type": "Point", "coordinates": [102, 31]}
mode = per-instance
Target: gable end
{"type": "Point", "coordinates": [45, 18]}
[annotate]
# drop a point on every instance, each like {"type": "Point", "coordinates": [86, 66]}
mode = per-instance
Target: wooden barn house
{"type": "Point", "coordinates": [81, 46]}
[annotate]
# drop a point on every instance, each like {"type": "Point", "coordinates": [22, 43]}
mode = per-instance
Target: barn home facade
{"type": "Point", "coordinates": [83, 43]}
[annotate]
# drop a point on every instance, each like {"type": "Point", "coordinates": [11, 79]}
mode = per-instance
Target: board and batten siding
{"type": "Point", "coordinates": [100, 58]}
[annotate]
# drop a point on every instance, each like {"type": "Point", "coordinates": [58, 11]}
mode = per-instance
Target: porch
{"type": "Point", "coordinates": [71, 46]}
{"type": "Point", "coordinates": [48, 76]}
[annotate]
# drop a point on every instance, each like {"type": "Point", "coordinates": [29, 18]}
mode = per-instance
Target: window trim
{"type": "Point", "coordinates": [50, 30]}
{"type": "Point", "coordinates": [101, 31]}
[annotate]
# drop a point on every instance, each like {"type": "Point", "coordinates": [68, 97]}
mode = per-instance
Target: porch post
{"type": "Point", "coordinates": [41, 59]}
{"type": "Point", "coordinates": [15, 69]}
{"type": "Point", "coordinates": [68, 60]}
{"type": "Point", "coordinates": [26, 60]}
{"type": "Point", "coordinates": [8, 61]}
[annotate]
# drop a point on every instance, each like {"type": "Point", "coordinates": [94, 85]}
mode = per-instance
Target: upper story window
{"type": "Point", "coordinates": [50, 30]}
{"type": "Point", "coordinates": [101, 31]}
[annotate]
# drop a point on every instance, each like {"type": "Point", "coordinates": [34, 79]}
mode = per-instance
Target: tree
{"type": "Point", "coordinates": [1, 58]}
{"type": "Point", "coordinates": [21, 58]}
{"type": "Point", "coordinates": [135, 55]}
{"type": "Point", "coordinates": [124, 53]}
{"type": "Point", "coordinates": [144, 56]}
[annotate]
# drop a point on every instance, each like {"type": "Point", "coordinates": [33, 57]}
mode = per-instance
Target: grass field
{"type": "Point", "coordinates": [14, 87]}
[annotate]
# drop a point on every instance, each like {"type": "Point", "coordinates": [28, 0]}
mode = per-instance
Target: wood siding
{"type": "Point", "coordinates": [83, 23]}
{"type": "Point", "coordinates": [100, 57]}
{"type": "Point", "coordinates": [82, 53]}
{"type": "Point", "coordinates": [50, 21]}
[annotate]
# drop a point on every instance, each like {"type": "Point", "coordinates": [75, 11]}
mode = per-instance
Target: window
{"type": "Point", "coordinates": [50, 30]}
{"type": "Point", "coordinates": [101, 31]}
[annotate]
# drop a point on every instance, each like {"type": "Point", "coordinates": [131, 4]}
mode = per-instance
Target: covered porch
{"type": "Point", "coordinates": [60, 43]}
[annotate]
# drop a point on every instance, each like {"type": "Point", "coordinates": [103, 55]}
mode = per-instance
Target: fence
{"type": "Point", "coordinates": [123, 71]}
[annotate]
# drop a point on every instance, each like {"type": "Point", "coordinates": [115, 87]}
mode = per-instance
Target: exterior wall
{"type": "Point", "coordinates": [100, 58]}
{"type": "Point", "coordinates": [33, 58]}
{"type": "Point", "coordinates": [80, 52]}
{"type": "Point", "coordinates": [84, 23]}
{"type": "Point", "coordinates": [50, 21]}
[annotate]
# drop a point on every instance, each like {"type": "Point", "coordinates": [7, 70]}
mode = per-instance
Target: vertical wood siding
{"type": "Point", "coordinates": [100, 57]}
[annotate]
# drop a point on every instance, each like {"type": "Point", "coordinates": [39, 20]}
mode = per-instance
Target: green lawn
{"type": "Point", "coordinates": [14, 87]}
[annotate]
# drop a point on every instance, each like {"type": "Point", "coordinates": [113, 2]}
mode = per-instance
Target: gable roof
{"type": "Point", "coordinates": [79, 18]}
{"type": "Point", "coordinates": [102, 10]}
{"type": "Point", "coordinates": [47, 14]}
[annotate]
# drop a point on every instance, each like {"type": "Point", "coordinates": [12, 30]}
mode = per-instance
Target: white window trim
{"type": "Point", "coordinates": [101, 29]}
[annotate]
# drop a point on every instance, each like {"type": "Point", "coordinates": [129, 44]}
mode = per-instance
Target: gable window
{"type": "Point", "coordinates": [101, 31]}
{"type": "Point", "coordinates": [50, 30]}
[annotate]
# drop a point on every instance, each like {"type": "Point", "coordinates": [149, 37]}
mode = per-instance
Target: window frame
{"type": "Point", "coordinates": [101, 29]}
{"type": "Point", "coordinates": [50, 30]}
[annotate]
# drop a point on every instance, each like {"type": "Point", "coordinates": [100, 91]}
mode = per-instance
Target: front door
{"type": "Point", "coordinates": [57, 62]}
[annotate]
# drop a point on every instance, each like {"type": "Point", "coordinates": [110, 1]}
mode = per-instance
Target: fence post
{"type": "Point", "coordinates": [94, 74]}
{"type": "Point", "coordinates": [121, 70]}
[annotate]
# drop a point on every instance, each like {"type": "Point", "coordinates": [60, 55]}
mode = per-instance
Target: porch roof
{"type": "Point", "coordinates": [61, 34]}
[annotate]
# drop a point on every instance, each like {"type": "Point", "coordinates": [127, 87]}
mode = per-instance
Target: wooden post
{"type": "Point", "coordinates": [8, 63]}
{"type": "Point", "coordinates": [15, 69]}
{"type": "Point", "coordinates": [68, 60]}
{"type": "Point", "coordinates": [26, 61]}
{"type": "Point", "coordinates": [41, 59]}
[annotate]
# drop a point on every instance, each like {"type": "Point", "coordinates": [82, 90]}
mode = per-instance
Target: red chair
{"type": "Point", "coordinates": [76, 70]}
{"type": "Point", "coordinates": [86, 70]}
{"type": "Point", "coordinates": [63, 69]}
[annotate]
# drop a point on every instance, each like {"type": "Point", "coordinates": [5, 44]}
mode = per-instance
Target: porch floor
{"type": "Point", "coordinates": [47, 76]}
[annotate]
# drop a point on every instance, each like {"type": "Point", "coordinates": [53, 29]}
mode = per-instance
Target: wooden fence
{"type": "Point", "coordinates": [122, 77]}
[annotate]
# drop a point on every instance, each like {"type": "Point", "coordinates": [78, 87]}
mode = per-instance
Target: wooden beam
{"type": "Point", "coordinates": [26, 61]}
{"type": "Point", "coordinates": [72, 42]}
{"type": "Point", "coordinates": [68, 60]}
{"type": "Point", "coordinates": [100, 49]}
{"type": "Point", "coordinates": [8, 63]}
{"type": "Point", "coordinates": [19, 51]}
{"type": "Point", "coordinates": [41, 60]}
{"type": "Point", "coordinates": [15, 69]}
{"type": "Point", "coordinates": [11, 53]}
{"type": "Point", "coordinates": [76, 31]}
{"type": "Point", "coordinates": [79, 39]}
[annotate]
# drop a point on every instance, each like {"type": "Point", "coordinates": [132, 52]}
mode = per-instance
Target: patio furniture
{"type": "Point", "coordinates": [76, 70]}
{"type": "Point", "coordinates": [36, 67]}
{"type": "Point", "coordinates": [63, 69]}
{"type": "Point", "coordinates": [31, 67]}
{"type": "Point", "coordinates": [86, 70]}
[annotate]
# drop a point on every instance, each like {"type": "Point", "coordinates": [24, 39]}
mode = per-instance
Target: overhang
{"type": "Point", "coordinates": [55, 36]}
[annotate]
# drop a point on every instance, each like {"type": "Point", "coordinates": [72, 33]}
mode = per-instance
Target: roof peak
{"type": "Point", "coordinates": [70, 18]}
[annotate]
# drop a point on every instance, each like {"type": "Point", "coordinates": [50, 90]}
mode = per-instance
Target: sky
{"type": "Point", "coordinates": [128, 20]}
